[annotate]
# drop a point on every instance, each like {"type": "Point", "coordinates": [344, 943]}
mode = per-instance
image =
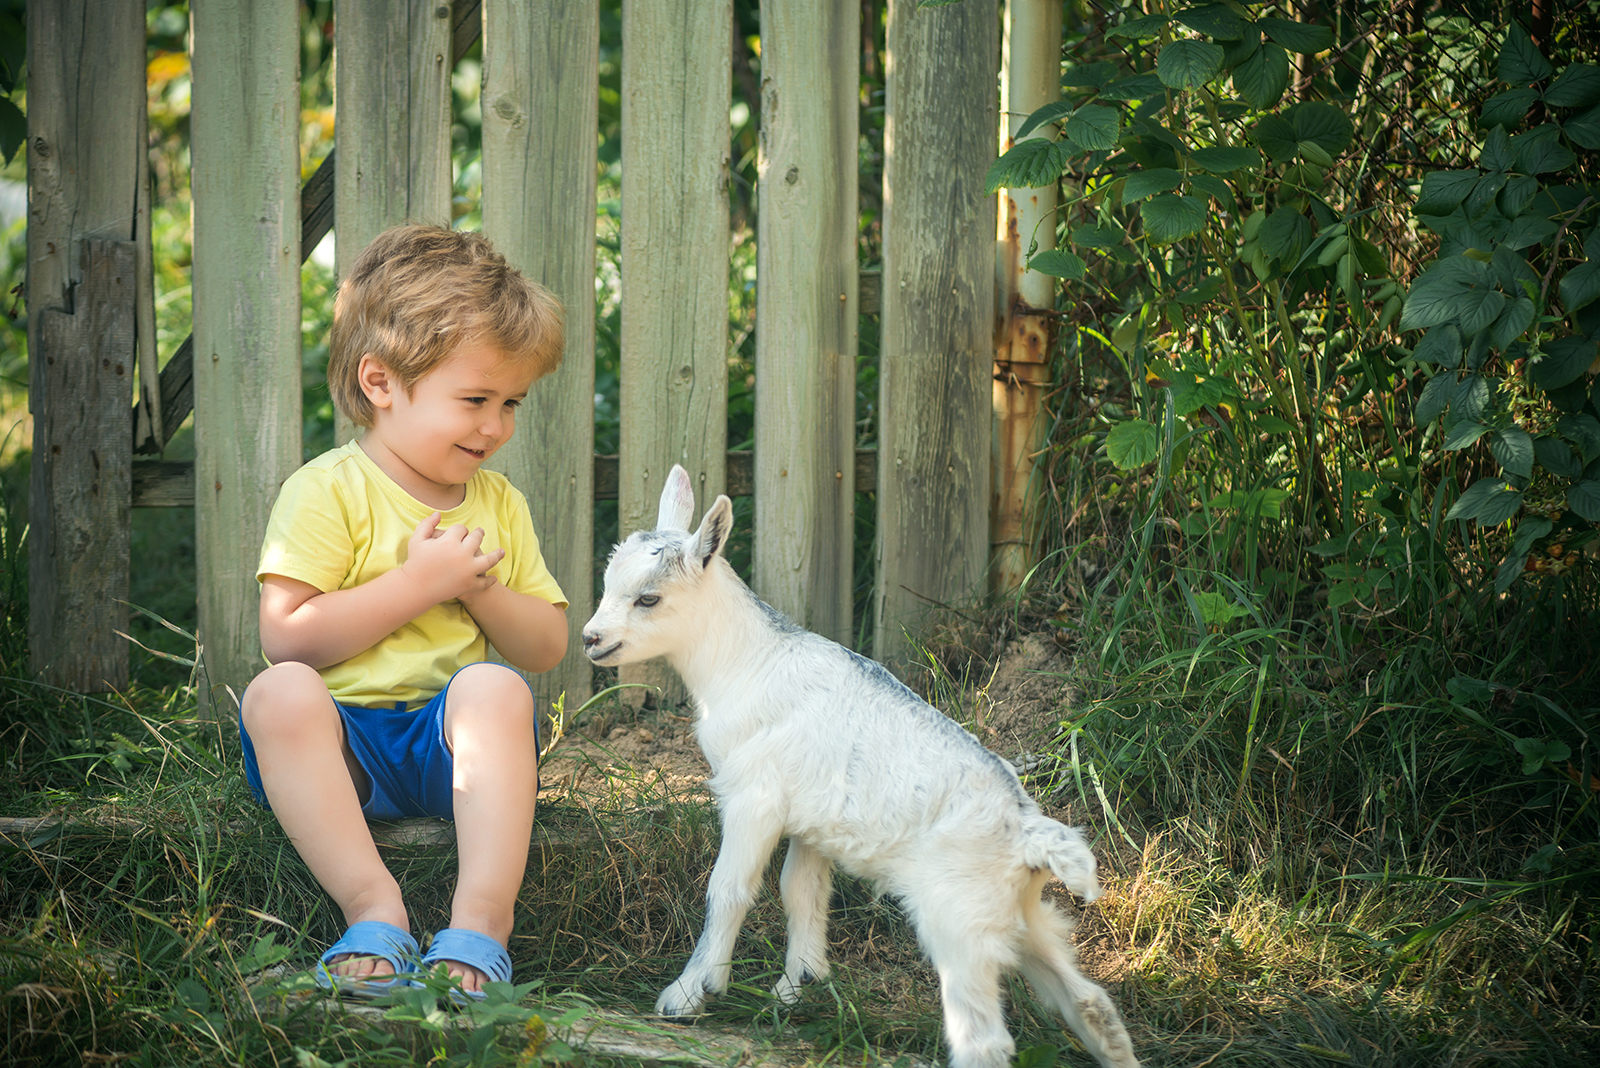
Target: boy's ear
{"type": "Point", "coordinates": [376, 381]}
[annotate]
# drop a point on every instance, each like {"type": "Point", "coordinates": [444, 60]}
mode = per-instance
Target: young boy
{"type": "Point", "coordinates": [387, 565]}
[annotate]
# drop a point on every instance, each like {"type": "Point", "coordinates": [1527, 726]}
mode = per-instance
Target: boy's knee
{"type": "Point", "coordinates": [492, 695]}
{"type": "Point", "coordinates": [285, 698]}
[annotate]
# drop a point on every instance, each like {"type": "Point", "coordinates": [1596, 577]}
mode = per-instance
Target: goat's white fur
{"type": "Point", "coordinates": [811, 741]}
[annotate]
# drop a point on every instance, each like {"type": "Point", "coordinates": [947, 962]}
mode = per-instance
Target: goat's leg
{"type": "Point", "coordinates": [970, 959]}
{"type": "Point", "coordinates": [1048, 961]}
{"type": "Point", "coordinates": [806, 884]}
{"type": "Point", "coordinates": [749, 833]}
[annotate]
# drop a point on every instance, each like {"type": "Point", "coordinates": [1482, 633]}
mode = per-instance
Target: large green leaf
{"type": "Point", "coordinates": [1188, 64]}
{"type": "Point", "coordinates": [1028, 164]}
{"type": "Point", "coordinates": [1276, 137]}
{"type": "Point", "coordinates": [1440, 345]}
{"type": "Point", "coordinates": [1584, 129]}
{"type": "Point", "coordinates": [1261, 78]}
{"type": "Point", "coordinates": [1497, 154]}
{"type": "Point", "coordinates": [1583, 431]}
{"type": "Point", "coordinates": [1141, 184]}
{"type": "Point", "coordinates": [1138, 87]}
{"type": "Point", "coordinates": [1321, 124]}
{"type": "Point", "coordinates": [1170, 217]}
{"type": "Point", "coordinates": [1132, 443]}
{"type": "Point", "coordinates": [1463, 434]}
{"type": "Point", "coordinates": [1225, 159]}
{"type": "Point", "coordinates": [1298, 36]}
{"type": "Point", "coordinates": [1542, 155]}
{"type": "Point", "coordinates": [1098, 237]}
{"type": "Point", "coordinates": [1576, 87]}
{"type": "Point", "coordinates": [1520, 60]}
{"type": "Point", "coordinates": [1584, 498]}
{"type": "Point", "coordinates": [1095, 127]}
{"type": "Point", "coordinates": [1443, 191]}
{"type": "Point", "coordinates": [1529, 229]}
{"type": "Point", "coordinates": [1236, 51]}
{"type": "Point", "coordinates": [1446, 291]}
{"type": "Point", "coordinates": [1213, 20]}
{"type": "Point", "coordinates": [1562, 361]}
{"type": "Point", "coordinates": [1285, 235]}
{"type": "Point", "coordinates": [1512, 322]}
{"type": "Point", "coordinates": [1472, 397]}
{"type": "Point", "coordinates": [1054, 261]}
{"type": "Point", "coordinates": [1580, 285]}
{"type": "Point", "coordinates": [1507, 108]}
{"type": "Point", "coordinates": [1513, 451]}
{"type": "Point", "coordinates": [1143, 26]}
{"type": "Point", "coordinates": [1435, 398]}
{"type": "Point", "coordinates": [1557, 457]}
{"type": "Point", "coordinates": [1489, 500]}
{"type": "Point", "coordinates": [1049, 113]}
{"type": "Point", "coordinates": [1213, 186]}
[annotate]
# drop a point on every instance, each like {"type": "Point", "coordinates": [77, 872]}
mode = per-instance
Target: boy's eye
{"type": "Point", "coordinates": [649, 600]}
{"type": "Point", "coordinates": [514, 403]}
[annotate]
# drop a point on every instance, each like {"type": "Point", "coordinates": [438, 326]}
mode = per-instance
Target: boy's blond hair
{"type": "Point", "coordinates": [417, 293]}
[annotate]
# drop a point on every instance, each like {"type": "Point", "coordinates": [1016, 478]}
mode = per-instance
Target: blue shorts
{"type": "Point", "coordinates": [403, 752]}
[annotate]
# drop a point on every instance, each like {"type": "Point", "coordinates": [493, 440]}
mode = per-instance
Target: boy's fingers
{"type": "Point", "coordinates": [491, 558]}
{"type": "Point", "coordinates": [429, 527]}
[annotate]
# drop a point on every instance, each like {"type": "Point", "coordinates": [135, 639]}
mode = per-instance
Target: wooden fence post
{"type": "Point", "coordinates": [245, 128]}
{"type": "Point", "coordinates": [1024, 332]}
{"type": "Point", "coordinates": [83, 477]}
{"type": "Point", "coordinates": [392, 99]}
{"type": "Point", "coordinates": [676, 86]}
{"type": "Point", "coordinates": [806, 312]}
{"type": "Point", "coordinates": [938, 314]}
{"type": "Point", "coordinates": [86, 167]}
{"type": "Point", "coordinates": [540, 108]}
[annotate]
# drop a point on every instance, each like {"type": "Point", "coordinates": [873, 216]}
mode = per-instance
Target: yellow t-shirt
{"type": "Point", "coordinates": [340, 521]}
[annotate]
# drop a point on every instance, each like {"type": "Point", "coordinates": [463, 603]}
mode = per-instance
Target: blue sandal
{"type": "Point", "coordinates": [370, 938]}
{"type": "Point", "coordinates": [475, 951]}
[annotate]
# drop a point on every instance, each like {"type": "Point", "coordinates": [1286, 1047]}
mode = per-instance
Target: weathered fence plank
{"type": "Point", "coordinates": [1024, 330]}
{"type": "Point", "coordinates": [806, 312]}
{"type": "Point", "coordinates": [246, 187]}
{"type": "Point", "coordinates": [540, 110]}
{"type": "Point", "coordinates": [86, 167]}
{"type": "Point", "coordinates": [82, 474]}
{"type": "Point", "coordinates": [938, 300]}
{"type": "Point", "coordinates": [676, 90]}
{"type": "Point", "coordinates": [392, 94]}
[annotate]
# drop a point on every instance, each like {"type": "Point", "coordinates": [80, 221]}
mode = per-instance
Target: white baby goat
{"type": "Point", "coordinates": [809, 740]}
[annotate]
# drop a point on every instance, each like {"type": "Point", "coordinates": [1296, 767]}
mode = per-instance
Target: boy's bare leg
{"type": "Point", "coordinates": [311, 779]}
{"type": "Point", "coordinates": [488, 723]}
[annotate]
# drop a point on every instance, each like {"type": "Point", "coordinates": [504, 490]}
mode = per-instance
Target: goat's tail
{"type": "Point", "coordinates": [1047, 843]}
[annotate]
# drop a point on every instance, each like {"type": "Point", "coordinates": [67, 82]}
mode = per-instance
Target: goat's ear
{"type": "Point", "coordinates": [677, 501]}
{"type": "Point", "coordinates": [712, 536]}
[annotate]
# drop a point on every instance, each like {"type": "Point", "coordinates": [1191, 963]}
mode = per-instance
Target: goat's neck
{"type": "Point", "coordinates": [735, 637]}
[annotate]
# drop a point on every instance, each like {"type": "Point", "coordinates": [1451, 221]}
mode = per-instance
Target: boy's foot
{"type": "Point", "coordinates": [472, 958]}
{"type": "Point", "coordinates": [372, 958]}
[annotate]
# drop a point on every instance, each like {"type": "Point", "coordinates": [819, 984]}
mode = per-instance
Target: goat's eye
{"type": "Point", "coordinates": [649, 600]}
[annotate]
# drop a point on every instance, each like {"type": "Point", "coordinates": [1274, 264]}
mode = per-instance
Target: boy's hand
{"type": "Point", "coordinates": [446, 564]}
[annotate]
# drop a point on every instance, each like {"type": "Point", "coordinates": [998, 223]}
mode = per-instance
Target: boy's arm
{"type": "Point", "coordinates": [300, 622]}
{"type": "Point", "coordinates": [528, 631]}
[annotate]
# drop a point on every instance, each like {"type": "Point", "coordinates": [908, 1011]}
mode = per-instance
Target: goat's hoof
{"type": "Point", "coordinates": [678, 1001]}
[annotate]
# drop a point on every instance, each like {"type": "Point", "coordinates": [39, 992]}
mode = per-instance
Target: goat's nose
{"type": "Point", "coordinates": [590, 638]}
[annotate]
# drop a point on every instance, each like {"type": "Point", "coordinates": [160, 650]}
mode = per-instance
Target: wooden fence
{"type": "Point", "coordinates": [941, 373]}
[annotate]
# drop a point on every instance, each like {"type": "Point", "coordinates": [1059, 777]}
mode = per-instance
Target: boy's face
{"type": "Point", "coordinates": [432, 441]}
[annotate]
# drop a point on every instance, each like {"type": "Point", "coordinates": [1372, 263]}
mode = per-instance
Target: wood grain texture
{"type": "Point", "coordinates": [540, 110]}
{"type": "Point", "coordinates": [937, 314]}
{"type": "Point", "coordinates": [676, 87]}
{"type": "Point", "coordinates": [86, 169]}
{"type": "Point", "coordinates": [392, 92]}
{"type": "Point", "coordinates": [79, 507]}
{"type": "Point", "coordinates": [806, 312]}
{"type": "Point", "coordinates": [246, 188]}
